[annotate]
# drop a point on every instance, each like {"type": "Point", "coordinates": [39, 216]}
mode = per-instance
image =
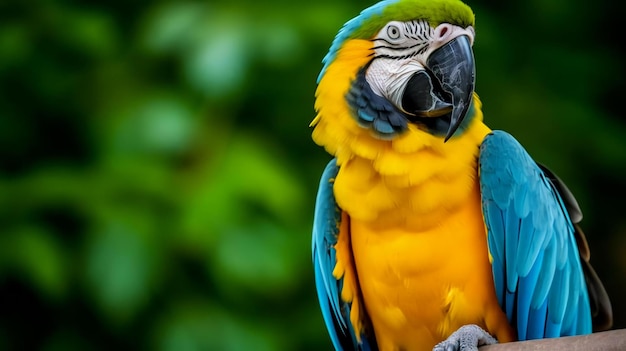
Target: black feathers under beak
{"type": "Point", "coordinates": [447, 88]}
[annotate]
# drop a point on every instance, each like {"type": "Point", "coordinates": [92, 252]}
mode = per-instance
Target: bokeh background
{"type": "Point", "coordinates": [157, 176]}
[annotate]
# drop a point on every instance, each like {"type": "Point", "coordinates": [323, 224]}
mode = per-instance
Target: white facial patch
{"type": "Point", "coordinates": [387, 77]}
{"type": "Point", "coordinates": [399, 51]}
{"type": "Point", "coordinates": [403, 39]}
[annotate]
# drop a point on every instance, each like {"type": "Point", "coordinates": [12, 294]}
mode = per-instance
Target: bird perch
{"type": "Point", "coordinates": [612, 340]}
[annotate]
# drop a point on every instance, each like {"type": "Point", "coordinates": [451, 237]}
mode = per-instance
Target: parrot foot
{"type": "Point", "coordinates": [467, 338]}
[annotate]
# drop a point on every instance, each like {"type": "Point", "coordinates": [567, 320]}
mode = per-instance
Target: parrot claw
{"type": "Point", "coordinates": [467, 338]}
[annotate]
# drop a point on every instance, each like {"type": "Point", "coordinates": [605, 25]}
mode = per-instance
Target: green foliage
{"type": "Point", "coordinates": [157, 175]}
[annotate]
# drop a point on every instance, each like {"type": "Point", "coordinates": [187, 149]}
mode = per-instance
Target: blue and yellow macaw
{"type": "Point", "coordinates": [430, 229]}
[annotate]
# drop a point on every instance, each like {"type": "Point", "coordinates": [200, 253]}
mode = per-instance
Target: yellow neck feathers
{"type": "Point", "coordinates": [413, 180]}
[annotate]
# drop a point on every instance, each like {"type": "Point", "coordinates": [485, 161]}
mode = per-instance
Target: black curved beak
{"type": "Point", "coordinates": [453, 65]}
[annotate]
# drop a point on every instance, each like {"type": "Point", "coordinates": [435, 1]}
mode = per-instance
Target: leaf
{"type": "Point", "coordinates": [35, 253]}
{"type": "Point", "coordinates": [118, 270]}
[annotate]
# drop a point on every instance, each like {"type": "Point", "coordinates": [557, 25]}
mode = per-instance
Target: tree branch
{"type": "Point", "coordinates": [612, 340]}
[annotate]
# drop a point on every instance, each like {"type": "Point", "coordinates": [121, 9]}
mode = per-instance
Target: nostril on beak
{"type": "Point", "coordinates": [443, 32]}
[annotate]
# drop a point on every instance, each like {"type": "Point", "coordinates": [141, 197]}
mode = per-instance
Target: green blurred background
{"type": "Point", "coordinates": [157, 176]}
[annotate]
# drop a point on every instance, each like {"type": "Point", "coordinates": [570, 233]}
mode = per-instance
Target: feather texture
{"type": "Point", "coordinates": [335, 279]}
{"type": "Point", "coordinates": [537, 268]}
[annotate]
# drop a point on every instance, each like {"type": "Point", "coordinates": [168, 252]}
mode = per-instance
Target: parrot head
{"type": "Point", "coordinates": [401, 66]}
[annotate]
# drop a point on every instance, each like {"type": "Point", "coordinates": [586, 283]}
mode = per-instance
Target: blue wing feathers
{"type": "Point", "coordinates": [325, 230]}
{"type": "Point", "coordinates": [511, 241]}
{"type": "Point", "coordinates": [335, 311]}
{"type": "Point", "coordinates": [559, 296]}
{"type": "Point", "coordinates": [522, 203]}
{"type": "Point", "coordinates": [536, 265]}
{"type": "Point", "coordinates": [496, 220]}
{"type": "Point", "coordinates": [509, 304]}
{"type": "Point", "coordinates": [498, 277]}
{"type": "Point", "coordinates": [530, 245]}
{"type": "Point", "coordinates": [525, 307]}
{"type": "Point", "coordinates": [584, 325]}
{"type": "Point", "coordinates": [548, 268]}
{"type": "Point", "coordinates": [537, 318]}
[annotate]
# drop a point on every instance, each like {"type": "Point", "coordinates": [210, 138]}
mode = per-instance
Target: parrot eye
{"type": "Point", "coordinates": [393, 32]}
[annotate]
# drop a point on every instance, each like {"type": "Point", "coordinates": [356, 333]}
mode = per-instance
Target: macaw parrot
{"type": "Point", "coordinates": [431, 230]}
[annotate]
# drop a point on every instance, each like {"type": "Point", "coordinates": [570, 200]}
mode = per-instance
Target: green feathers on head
{"type": "Point", "coordinates": [434, 12]}
{"type": "Point", "coordinates": [373, 18]}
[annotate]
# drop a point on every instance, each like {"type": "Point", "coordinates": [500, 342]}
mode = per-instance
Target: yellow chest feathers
{"type": "Point", "coordinates": [416, 189]}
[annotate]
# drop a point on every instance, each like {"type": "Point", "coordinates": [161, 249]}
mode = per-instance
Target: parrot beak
{"type": "Point", "coordinates": [453, 65]}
